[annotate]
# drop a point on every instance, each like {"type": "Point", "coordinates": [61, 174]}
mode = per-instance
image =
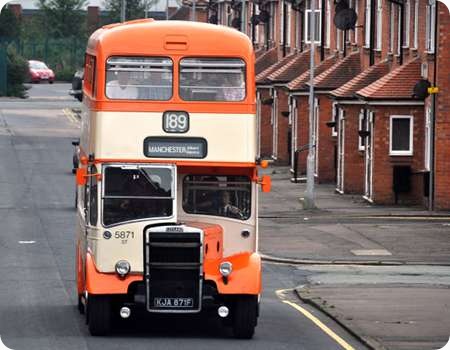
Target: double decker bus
{"type": "Point", "coordinates": [167, 185]}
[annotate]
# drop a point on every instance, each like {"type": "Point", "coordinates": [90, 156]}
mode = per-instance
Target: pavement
{"type": "Point", "coordinates": [382, 273]}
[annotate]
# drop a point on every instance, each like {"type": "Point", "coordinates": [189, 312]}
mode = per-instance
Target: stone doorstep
{"type": "Point", "coordinates": [365, 329]}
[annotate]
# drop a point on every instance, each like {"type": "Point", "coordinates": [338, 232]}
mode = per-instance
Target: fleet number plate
{"type": "Point", "coordinates": [173, 302]}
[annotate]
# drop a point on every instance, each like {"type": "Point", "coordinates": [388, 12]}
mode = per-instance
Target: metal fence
{"type": "Point", "coordinates": [64, 56]}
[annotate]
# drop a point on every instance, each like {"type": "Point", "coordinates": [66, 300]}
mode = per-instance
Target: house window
{"type": "Point", "coordinates": [391, 28]}
{"type": "Point", "coordinates": [407, 23]}
{"type": "Point", "coordinates": [367, 24]}
{"type": "Point", "coordinates": [362, 127]}
{"type": "Point", "coordinates": [334, 114]}
{"type": "Point", "coordinates": [288, 24]}
{"type": "Point", "coordinates": [427, 139]}
{"type": "Point", "coordinates": [379, 24]}
{"type": "Point", "coordinates": [430, 24]}
{"type": "Point", "coordinates": [318, 25]}
{"type": "Point", "coordinates": [401, 135]}
{"type": "Point", "coordinates": [356, 30]}
{"type": "Point", "coordinates": [416, 23]}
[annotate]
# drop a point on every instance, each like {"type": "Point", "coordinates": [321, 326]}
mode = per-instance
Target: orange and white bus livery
{"type": "Point", "coordinates": [168, 182]}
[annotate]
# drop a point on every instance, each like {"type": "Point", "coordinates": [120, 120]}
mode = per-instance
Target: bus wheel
{"type": "Point", "coordinates": [245, 313]}
{"type": "Point", "coordinates": [99, 314]}
{"type": "Point", "coordinates": [80, 305]}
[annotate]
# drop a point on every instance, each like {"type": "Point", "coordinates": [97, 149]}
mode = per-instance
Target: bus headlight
{"type": "Point", "coordinates": [225, 268]}
{"type": "Point", "coordinates": [123, 268]}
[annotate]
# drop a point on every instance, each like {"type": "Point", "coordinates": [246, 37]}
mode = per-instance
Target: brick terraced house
{"type": "Point", "coordinates": [378, 130]}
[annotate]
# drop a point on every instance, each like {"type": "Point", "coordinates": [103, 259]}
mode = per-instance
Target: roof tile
{"type": "Point", "coordinates": [290, 70]}
{"type": "Point", "coordinates": [267, 59]}
{"type": "Point", "coordinates": [262, 78]}
{"type": "Point", "coordinates": [340, 73]}
{"type": "Point", "coordinates": [362, 80]}
{"type": "Point", "coordinates": [398, 84]}
{"type": "Point", "coordinates": [299, 83]}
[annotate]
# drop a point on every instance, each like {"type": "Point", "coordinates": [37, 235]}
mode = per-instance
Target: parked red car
{"type": "Point", "coordinates": [39, 72]}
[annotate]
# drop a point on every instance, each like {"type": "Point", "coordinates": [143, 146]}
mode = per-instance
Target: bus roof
{"type": "Point", "coordinates": [147, 36]}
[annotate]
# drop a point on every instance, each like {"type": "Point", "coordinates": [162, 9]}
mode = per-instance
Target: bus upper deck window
{"type": "Point", "coordinates": [139, 78]}
{"type": "Point", "coordinates": [212, 79]}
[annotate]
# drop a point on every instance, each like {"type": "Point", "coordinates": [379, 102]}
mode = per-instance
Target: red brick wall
{"type": "Point", "coordinates": [283, 127]}
{"type": "Point", "coordinates": [383, 162]}
{"type": "Point", "coordinates": [442, 140]}
{"type": "Point", "coordinates": [326, 151]}
{"type": "Point", "coordinates": [353, 157]}
{"type": "Point", "coordinates": [266, 126]}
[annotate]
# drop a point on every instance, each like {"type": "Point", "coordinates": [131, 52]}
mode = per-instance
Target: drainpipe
{"type": "Point", "coordinates": [433, 115]}
{"type": "Point", "coordinates": [284, 28]}
{"type": "Point", "coordinates": [322, 32]}
{"type": "Point", "coordinates": [372, 32]}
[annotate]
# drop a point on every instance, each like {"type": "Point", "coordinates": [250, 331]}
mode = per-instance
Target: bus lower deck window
{"type": "Point", "coordinates": [135, 193]}
{"type": "Point", "coordinates": [139, 78]}
{"type": "Point", "coordinates": [212, 79]}
{"type": "Point", "coordinates": [226, 196]}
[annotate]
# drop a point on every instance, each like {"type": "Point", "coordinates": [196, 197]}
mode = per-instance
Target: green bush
{"type": "Point", "coordinates": [64, 74]}
{"type": "Point", "coordinates": [17, 73]}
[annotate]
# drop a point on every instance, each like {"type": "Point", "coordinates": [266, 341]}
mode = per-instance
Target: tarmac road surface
{"type": "Point", "coordinates": [37, 289]}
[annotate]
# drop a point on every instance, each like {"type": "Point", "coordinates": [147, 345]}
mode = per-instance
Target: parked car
{"type": "Point", "coordinates": [77, 85]}
{"type": "Point", "coordinates": [39, 71]}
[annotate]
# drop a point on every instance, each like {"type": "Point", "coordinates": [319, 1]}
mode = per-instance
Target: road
{"type": "Point", "coordinates": [37, 289]}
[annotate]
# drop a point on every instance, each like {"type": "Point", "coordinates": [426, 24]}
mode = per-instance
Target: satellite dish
{"type": "Point", "coordinates": [420, 90]}
{"type": "Point", "coordinates": [213, 19]}
{"type": "Point", "coordinates": [341, 5]}
{"type": "Point", "coordinates": [236, 23]}
{"type": "Point", "coordinates": [255, 20]}
{"type": "Point", "coordinates": [345, 19]}
{"type": "Point", "coordinates": [296, 5]}
{"type": "Point", "coordinates": [264, 16]}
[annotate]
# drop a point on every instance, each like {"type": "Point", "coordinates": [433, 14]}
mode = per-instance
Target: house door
{"type": "Point", "coordinates": [368, 183]}
{"type": "Point", "coordinates": [340, 152]}
{"type": "Point", "coordinates": [274, 118]}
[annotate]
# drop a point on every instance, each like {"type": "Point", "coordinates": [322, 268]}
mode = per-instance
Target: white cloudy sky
{"type": "Point", "coordinates": [31, 4]}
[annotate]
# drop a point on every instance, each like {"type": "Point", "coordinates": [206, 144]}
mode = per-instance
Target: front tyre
{"type": "Point", "coordinates": [245, 315]}
{"type": "Point", "coordinates": [99, 314]}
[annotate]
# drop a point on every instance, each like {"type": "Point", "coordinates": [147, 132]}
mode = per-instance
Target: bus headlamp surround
{"type": "Point", "coordinates": [225, 268]}
{"type": "Point", "coordinates": [123, 268]}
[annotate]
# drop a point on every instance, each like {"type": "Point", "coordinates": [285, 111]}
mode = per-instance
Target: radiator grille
{"type": "Point", "coordinates": [173, 271]}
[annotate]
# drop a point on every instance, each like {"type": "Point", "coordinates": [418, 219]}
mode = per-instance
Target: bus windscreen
{"type": "Point", "coordinates": [212, 79]}
{"type": "Point", "coordinates": [135, 193]}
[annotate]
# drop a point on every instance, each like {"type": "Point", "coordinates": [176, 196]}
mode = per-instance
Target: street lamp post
{"type": "Point", "coordinates": [243, 17]}
{"type": "Point", "coordinates": [193, 10]}
{"type": "Point", "coordinates": [308, 201]}
{"type": "Point", "coordinates": [123, 8]}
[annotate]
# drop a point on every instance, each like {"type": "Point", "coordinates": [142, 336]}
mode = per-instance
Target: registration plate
{"type": "Point", "coordinates": [173, 302]}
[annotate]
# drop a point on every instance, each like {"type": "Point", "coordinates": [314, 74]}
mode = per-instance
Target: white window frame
{"type": "Point", "coordinates": [328, 24]}
{"type": "Point", "coordinates": [416, 24]}
{"type": "Point", "coordinates": [356, 30]}
{"type": "Point", "coordinates": [379, 42]}
{"type": "Point", "coordinates": [391, 28]}
{"type": "Point", "coordinates": [411, 136]}
{"type": "Point", "coordinates": [367, 28]}
{"type": "Point", "coordinates": [334, 119]}
{"type": "Point", "coordinates": [407, 28]}
{"type": "Point", "coordinates": [430, 25]}
{"type": "Point", "coordinates": [288, 24]}
{"type": "Point", "coordinates": [361, 140]}
{"type": "Point", "coordinates": [281, 8]}
{"type": "Point", "coordinates": [399, 29]}
{"type": "Point", "coordinates": [317, 10]}
{"type": "Point", "coordinates": [427, 149]}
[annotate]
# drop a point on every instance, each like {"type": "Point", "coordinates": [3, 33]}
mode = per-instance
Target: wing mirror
{"type": "Point", "coordinates": [81, 176]}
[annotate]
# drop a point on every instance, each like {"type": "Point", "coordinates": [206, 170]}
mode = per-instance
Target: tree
{"type": "Point", "coordinates": [135, 9]}
{"type": "Point", "coordinates": [63, 18]}
{"type": "Point", "coordinates": [17, 73]}
{"type": "Point", "coordinates": [9, 24]}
